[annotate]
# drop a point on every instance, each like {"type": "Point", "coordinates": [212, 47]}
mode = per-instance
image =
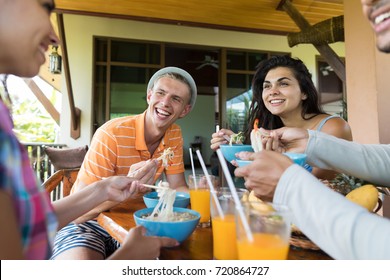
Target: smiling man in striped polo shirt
{"type": "Point", "coordinates": [131, 146]}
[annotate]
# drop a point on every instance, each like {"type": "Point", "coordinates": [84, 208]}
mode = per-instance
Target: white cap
{"type": "Point", "coordinates": [182, 73]}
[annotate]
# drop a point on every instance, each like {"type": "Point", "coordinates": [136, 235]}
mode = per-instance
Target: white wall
{"type": "Point", "coordinates": [367, 79]}
{"type": "Point", "coordinates": [79, 36]}
{"type": "Point", "coordinates": [199, 122]}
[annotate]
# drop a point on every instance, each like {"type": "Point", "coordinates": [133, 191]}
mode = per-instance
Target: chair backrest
{"type": "Point", "coordinates": [66, 158]}
{"type": "Point", "coordinates": [67, 163]}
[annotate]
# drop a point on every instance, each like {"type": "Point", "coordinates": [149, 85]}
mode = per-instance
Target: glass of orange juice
{"type": "Point", "coordinates": [200, 196]}
{"type": "Point", "coordinates": [270, 226]}
{"type": "Point", "coordinates": [224, 225]}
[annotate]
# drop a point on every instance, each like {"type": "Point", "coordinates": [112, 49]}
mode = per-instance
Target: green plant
{"type": "Point", "coordinates": [344, 184]}
{"type": "Point", "coordinates": [32, 123]}
{"type": "Point", "coordinates": [237, 119]}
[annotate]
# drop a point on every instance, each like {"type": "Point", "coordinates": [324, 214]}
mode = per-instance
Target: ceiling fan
{"type": "Point", "coordinates": [326, 69]}
{"type": "Point", "coordinates": [208, 61]}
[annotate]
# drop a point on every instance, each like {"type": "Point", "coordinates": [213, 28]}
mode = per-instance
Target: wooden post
{"type": "Point", "coordinates": [386, 206]}
{"type": "Point", "coordinates": [75, 113]}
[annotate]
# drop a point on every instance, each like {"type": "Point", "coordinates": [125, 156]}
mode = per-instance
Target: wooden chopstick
{"type": "Point", "coordinates": [227, 138]}
{"type": "Point", "coordinates": [155, 187]}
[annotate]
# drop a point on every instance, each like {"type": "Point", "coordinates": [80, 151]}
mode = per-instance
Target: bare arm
{"type": "Point", "coordinates": [114, 190]}
{"type": "Point", "coordinates": [92, 213]}
{"type": "Point", "coordinates": [144, 172]}
{"type": "Point", "coordinates": [177, 182]}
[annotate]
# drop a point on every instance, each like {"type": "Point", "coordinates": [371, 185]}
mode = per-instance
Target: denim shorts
{"type": "Point", "coordinates": [89, 234]}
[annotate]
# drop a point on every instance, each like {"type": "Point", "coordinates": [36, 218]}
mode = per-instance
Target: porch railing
{"type": "Point", "coordinates": [41, 163]}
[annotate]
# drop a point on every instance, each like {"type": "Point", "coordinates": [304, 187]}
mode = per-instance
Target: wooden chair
{"type": "Point", "coordinates": [60, 183]}
{"type": "Point", "coordinates": [67, 163]}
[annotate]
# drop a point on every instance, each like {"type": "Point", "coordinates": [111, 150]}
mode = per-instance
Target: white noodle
{"type": "Point", "coordinates": [166, 157]}
{"type": "Point", "coordinates": [163, 211]}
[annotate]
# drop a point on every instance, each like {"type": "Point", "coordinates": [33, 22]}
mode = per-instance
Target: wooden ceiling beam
{"type": "Point", "coordinates": [327, 52]}
{"type": "Point", "coordinates": [49, 107]}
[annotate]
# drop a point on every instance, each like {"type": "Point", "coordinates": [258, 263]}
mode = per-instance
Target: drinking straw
{"type": "Point", "coordinates": [213, 193]}
{"type": "Point", "coordinates": [235, 195]}
{"type": "Point", "coordinates": [193, 169]}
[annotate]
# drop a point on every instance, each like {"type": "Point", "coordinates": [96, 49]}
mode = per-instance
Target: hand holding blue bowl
{"type": "Point", "coordinates": [242, 163]}
{"type": "Point", "coordinates": [229, 151]}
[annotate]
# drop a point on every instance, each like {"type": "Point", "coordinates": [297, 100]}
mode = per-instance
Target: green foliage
{"type": "Point", "coordinates": [344, 183]}
{"type": "Point", "coordinates": [32, 123]}
{"type": "Point", "coordinates": [233, 119]}
{"type": "Point", "coordinates": [237, 119]}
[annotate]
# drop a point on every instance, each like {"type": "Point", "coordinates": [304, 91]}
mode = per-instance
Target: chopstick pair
{"type": "Point", "coordinates": [155, 187]}
{"type": "Point", "coordinates": [149, 186]}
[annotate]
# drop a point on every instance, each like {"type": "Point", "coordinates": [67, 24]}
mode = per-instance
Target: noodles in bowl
{"type": "Point", "coordinates": [163, 211]}
{"type": "Point", "coordinates": [183, 223]}
{"type": "Point", "coordinates": [166, 220]}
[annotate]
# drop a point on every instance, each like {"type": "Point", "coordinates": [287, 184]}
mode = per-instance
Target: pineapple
{"type": "Point", "coordinates": [344, 184]}
{"type": "Point", "coordinates": [355, 189]}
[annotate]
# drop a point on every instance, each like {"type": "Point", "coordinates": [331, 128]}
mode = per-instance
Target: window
{"type": "Point", "coordinates": [330, 89]}
{"type": "Point", "coordinates": [122, 70]}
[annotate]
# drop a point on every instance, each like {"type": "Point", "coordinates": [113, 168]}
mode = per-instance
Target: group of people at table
{"type": "Point", "coordinates": [123, 156]}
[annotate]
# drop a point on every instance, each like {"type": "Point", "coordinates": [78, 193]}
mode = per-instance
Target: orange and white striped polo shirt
{"type": "Point", "coordinates": [120, 143]}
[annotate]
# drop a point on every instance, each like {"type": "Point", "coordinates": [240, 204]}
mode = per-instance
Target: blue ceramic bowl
{"type": "Point", "coordinates": [299, 159]}
{"type": "Point", "coordinates": [230, 151]}
{"type": "Point", "coordinates": [179, 230]}
{"type": "Point", "coordinates": [242, 163]}
{"type": "Point", "coordinates": [182, 199]}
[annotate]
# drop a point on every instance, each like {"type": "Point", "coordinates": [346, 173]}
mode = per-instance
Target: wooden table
{"type": "Point", "coordinates": [199, 246]}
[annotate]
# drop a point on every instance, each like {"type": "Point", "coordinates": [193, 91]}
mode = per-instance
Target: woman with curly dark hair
{"type": "Point", "coordinates": [284, 95]}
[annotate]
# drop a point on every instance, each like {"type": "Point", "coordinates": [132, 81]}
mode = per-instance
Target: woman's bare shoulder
{"type": "Point", "coordinates": [338, 127]}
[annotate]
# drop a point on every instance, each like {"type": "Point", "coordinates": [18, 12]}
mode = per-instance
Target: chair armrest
{"type": "Point", "coordinates": [66, 176]}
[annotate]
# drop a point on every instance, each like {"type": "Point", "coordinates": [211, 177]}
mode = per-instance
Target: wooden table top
{"type": "Point", "coordinates": [199, 246]}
